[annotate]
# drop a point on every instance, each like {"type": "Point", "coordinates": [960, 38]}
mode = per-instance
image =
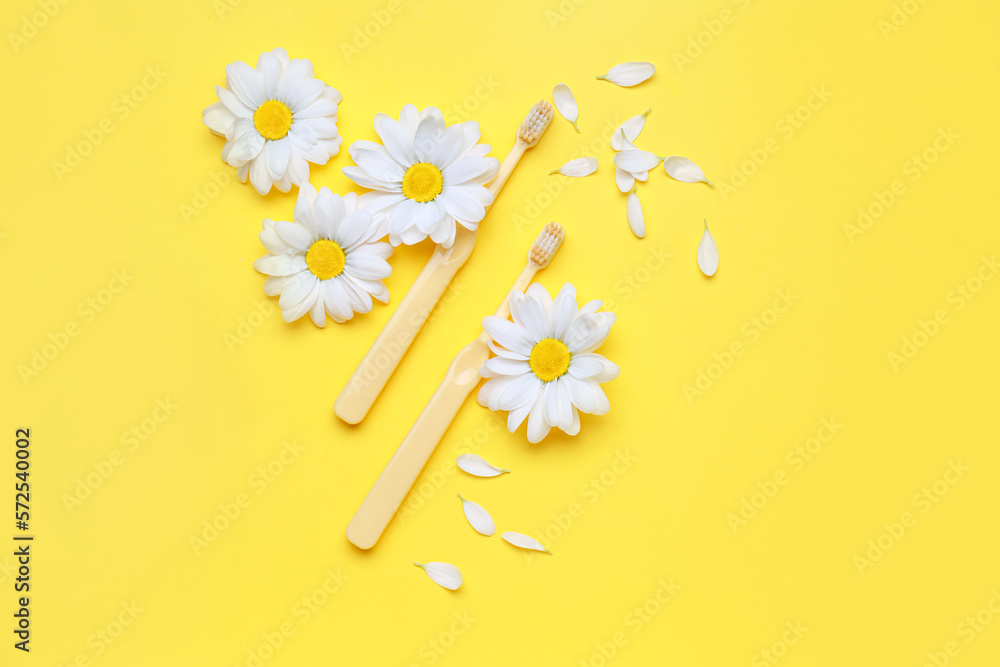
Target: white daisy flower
{"type": "Point", "coordinates": [424, 175]}
{"type": "Point", "coordinates": [546, 368]}
{"type": "Point", "coordinates": [329, 260]}
{"type": "Point", "coordinates": [276, 119]}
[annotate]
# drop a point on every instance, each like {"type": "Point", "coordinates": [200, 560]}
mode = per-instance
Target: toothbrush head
{"type": "Point", "coordinates": [546, 245]}
{"type": "Point", "coordinates": [534, 125]}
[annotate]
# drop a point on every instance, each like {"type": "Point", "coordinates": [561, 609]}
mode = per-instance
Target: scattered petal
{"type": "Point", "coordinates": [636, 160]}
{"type": "Point", "coordinates": [523, 541]}
{"type": "Point", "coordinates": [582, 166]}
{"type": "Point", "coordinates": [624, 179]}
{"type": "Point", "coordinates": [633, 211]}
{"type": "Point", "coordinates": [630, 129]}
{"type": "Point", "coordinates": [474, 464]}
{"type": "Point", "coordinates": [478, 518]}
{"type": "Point", "coordinates": [564, 101]}
{"type": "Point", "coordinates": [708, 253]}
{"type": "Point", "coordinates": [684, 170]}
{"type": "Point", "coordinates": [445, 575]}
{"type": "Point", "coordinates": [629, 74]}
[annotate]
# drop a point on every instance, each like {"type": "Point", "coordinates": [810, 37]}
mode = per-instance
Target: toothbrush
{"type": "Point", "coordinates": [380, 362]}
{"type": "Point", "coordinates": [404, 467]}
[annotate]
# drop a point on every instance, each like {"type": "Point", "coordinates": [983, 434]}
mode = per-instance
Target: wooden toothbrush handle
{"type": "Point", "coordinates": [402, 470]}
{"type": "Point", "coordinates": [392, 343]}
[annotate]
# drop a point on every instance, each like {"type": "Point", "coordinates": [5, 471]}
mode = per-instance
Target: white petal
{"type": "Point", "coordinates": [246, 146]}
{"type": "Point", "coordinates": [586, 333]}
{"type": "Point", "coordinates": [708, 253]}
{"type": "Point", "coordinates": [517, 416]}
{"type": "Point", "coordinates": [538, 292]}
{"type": "Point", "coordinates": [610, 372]}
{"type": "Point", "coordinates": [629, 74]}
{"type": "Point", "coordinates": [564, 101]}
{"type": "Point", "coordinates": [582, 166]}
{"type": "Point", "coordinates": [365, 180]}
{"type": "Point", "coordinates": [353, 230]}
{"type": "Point", "coordinates": [233, 103]}
{"type": "Point", "coordinates": [218, 118]}
{"type": "Point", "coordinates": [478, 518]}
{"type": "Point", "coordinates": [367, 266]}
{"type": "Point", "coordinates": [376, 162]}
{"type": "Point", "coordinates": [521, 391]}
{"type": "Point", "coordinates": [586, 365]}
{"type": "Point", "coordinates": [636, 160]}
{"type": "Point", "coordinates": [562, 311]}
{"type": "Point", "coordinates": [270, 73]}
{"type": "Point", "coordinates": [624, 179]}
{"type": "Point", "coordinates": [336, 299]}
{"type": "Point", "coordinates": [508, 334]}
{"type": "Point", "coordinates": [583, 394]}
{"type": "Point", "coordinates": [246, 82]}
{"type": "Point", "coordinates": [630, 129]}
{"type": "Point", "coordinates": [523, 541]}
{"type": "Point", "coordinates": [298, 310]}
{"type": "Point", "coordinates": [461, 203]}
{"type": "Point", "coordinates": [260, 178]}
{"type": "Point", "coordinates": [574, 426]}
{"type": "Point", "coordinates": [280, 265]}
{"type": "Point", "coordinates": [530, 314]}
{"type": "Point", "coordinates": [504, 366]}
{"type": "Point", "coordinates": [297, 288]}
{"type": "Point", "coordinates": [445, 575]}
{"type": "Point", "coordinates": [294, 235]}
{"type": "Point", "coordinates": [537, 427]}
{"type": "Point", "coordinates": [684, 170]}
{"type": "Point", "coordinates": [276, 155]}
{"type": "Point", "coordinates": [476, 465]}
{"type": "Point", "coordinates": [468, 169]}
{"type": "Point", "coordinates": [396, 139]}
{"type": "Point", "coordinates": [633, 212]}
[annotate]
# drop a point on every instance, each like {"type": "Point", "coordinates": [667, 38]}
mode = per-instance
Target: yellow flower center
{"type": "Point", "coordinates": [272, 119]}
{"type": "Point", "coordinates": [325, 259]}
{"type": "Point", "coordinates": [549, 359]}
{"type": "Point", "coordinates": [422, 182]}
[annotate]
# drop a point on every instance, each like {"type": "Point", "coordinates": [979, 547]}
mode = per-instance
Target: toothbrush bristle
{"type": "Point", "coordinates": [535, 124]}
{"type": "Point", "coordinates": [546, 245]}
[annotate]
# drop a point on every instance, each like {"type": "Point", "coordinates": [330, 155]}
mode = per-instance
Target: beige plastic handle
{"type": "Point", "coordinates": [378, 365]}
{"type": "Point", "coordinates": [371, 375]}
{"type": "Point", "coordinates": [402, 470]}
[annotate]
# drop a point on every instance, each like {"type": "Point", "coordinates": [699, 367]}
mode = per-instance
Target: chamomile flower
{"type": "Point", "coordinates": [276, 118]}
{"type": "Point", "coordinates": [545, 368]}
{"type": "Point", "coordinates": [328, 261]}
{"type": "Point", "coordinates": [426, 176]}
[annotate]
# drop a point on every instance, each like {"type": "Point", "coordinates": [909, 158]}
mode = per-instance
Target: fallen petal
{"type": "Point", "coordinates": [684, 170]}
{"type": "Point", "coordinates": [708, 253]}
{"type": "Point", "coordinates": [624, 179]}
{"type": "Point", "coordinates": [630, 130]}
{"type": "Point", "coordinates": [523, 541]}
{"type": "Point", "coordinates": [629, 74]}
{"type": "Point", "coordinates": [478, 518]}
{"type": "Point", "coordinates": [633, 211]}
{"type": "Point", "coordinates": [474, 464]}
{"type": "Point", "coordinates": [582, 166]}
{"type": "Point", "coordinates": [564, 101]}
{"type": "Point", "coordinates": [636, 160]}
{"type": "Point", "coordinates": [445, 575]}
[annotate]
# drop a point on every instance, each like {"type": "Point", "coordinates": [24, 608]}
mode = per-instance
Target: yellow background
{"type": "Point", "coordinates": [168, 335]}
